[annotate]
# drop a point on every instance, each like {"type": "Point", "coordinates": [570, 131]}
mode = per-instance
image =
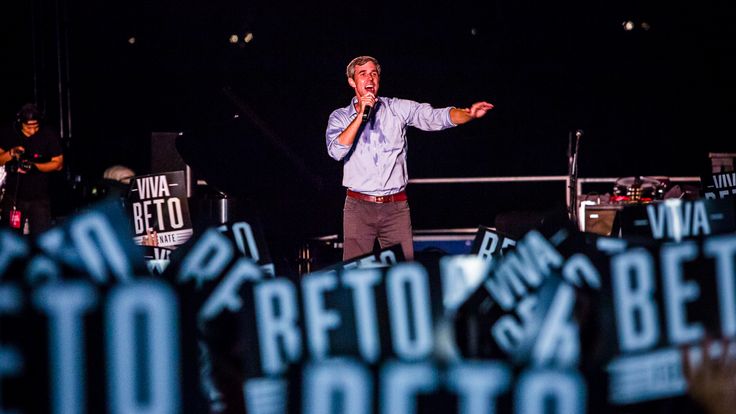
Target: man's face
{"type": "Point", "coordinates": [29, 127]}
{"type": "Point", "coordinates": [366, 79]}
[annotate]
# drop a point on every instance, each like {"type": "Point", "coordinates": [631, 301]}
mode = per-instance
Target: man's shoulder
{"type": "Point", "coordinates": [342, 111]}
{"type": "Point", "coordinates": [397, 102]}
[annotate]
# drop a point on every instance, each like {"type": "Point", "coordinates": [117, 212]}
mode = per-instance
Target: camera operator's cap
{"type": "Point", "coordinates": [29, 114]}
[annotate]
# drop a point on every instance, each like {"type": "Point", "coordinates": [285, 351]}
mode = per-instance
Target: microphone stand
{"type": "Point", "coordinates": [572, 168]}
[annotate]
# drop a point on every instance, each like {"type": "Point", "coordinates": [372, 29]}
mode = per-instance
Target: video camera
{"type": "Point", "coordinates": [24, 162]}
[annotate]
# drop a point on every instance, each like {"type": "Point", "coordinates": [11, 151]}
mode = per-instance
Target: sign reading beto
{"type": "Point", "coordinates": [719, 185]}
{"type": "Point", "coordinates": [159, 202]}
{"type": "Point", "coordinates": [664, 298]}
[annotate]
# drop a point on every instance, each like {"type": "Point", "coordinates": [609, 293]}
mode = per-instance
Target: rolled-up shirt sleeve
{"type": "Point", "coordinates": [335, 125]}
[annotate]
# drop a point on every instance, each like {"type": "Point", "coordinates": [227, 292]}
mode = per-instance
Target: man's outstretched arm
{"type": "Point", "coordinates": [460, 116]}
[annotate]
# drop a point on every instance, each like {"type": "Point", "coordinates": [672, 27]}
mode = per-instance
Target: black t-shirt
{"type": "Point", "coordinates": [33, 185]}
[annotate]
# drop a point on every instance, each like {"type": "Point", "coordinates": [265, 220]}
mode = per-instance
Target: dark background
{"type": "Point", "coordinates": [651, 102]}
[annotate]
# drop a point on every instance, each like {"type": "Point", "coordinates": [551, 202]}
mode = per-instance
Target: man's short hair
{"type": "Point", "coordinates": [118, 173]}
{"type": "Point", "coordinates": [29, 112]}
{"type": "Point", "coordinates": [361, 60]}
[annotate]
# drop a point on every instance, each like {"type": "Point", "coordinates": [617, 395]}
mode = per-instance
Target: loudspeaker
{"type": "Point", "coordinates": [602, 219]}
{"type": "Point", "coordinates": [517, 223]}
{"type": "Point", "coordinates": [165, 157]}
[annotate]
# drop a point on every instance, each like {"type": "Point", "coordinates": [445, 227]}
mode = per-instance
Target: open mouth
{"type": "Point", "coordinates": [369, 88]}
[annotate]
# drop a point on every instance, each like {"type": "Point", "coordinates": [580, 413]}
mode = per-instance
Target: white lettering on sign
{"type": "Point", "coordinates": [153, 305]}
{"type": "Point", "coordinates": [678, 292]}
{"type": "Point", "coordinates": [479, 384]}
{"type": "Point", "coordinates": [153, 187]}
{"type": "Point", "coordinates": [65, 305]}
{"type": "Point", "coordinates": [11, 359]}
{"type": "Point", "coordinates": [12, 247]}
{"type": "Point", "coordinates": [345, 379]}
{"type": "Point", "coordinates": [225, 295]}
{"type": "Point", "coordinates": [723, 249]}
{"type": "Point", "coordinates": [559, 339]}
{"type": "Point", "coordinates": [144, 219]}
{"type": "Point", "coordinates": [677, 219]}
{"type": "Point", "coordinates": [634, 281]}
{"type": "Point", "coordinates": [279, 337]}
{"type": "Point", "coordinates": [363, 282]}
{"type": "Point", "coordinates": [725, 180]}
{"type": "Point", "coordinates": [97, 245]}
{"type": "Point", "coordinates": [244, 239]}
{"type": "Point", "coordinates": [632, 277]}
{"type": "Point", "coordinates": [511, 329]}
{"type": "Point", "coordinates": [347, 386]}
{"type": "Point", "coordinates": [318, 319]}
{"type": "Point", "coordinates": [208, 258]}
{"type": "Point", "coordinates": [547, 391]}
{"type": "Point", "coordinates": [401, 383]}
{"type": "Point", "coordinates": [522, 269]}
{"type": "Point", "coordinates": [490, 245]}
{"type": "Point", "coordinates": [407, 285]}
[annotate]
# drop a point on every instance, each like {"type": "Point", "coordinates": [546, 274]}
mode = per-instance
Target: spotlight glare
{"type": "Point", "coordinates": [645, 26]}
{"type": "Point", "coordinates": [131, 40]}
{"type": "Point", "coordinates": [473, 31]}
{"type": "Point", "coordinates": [233, 39]}
{"type": "Point", "coordinates": [248, 37]}
{"type": "Point", "coordinates": [628, 25]}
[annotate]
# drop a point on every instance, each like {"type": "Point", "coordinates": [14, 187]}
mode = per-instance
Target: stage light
{"type": "Point", "coordinates": [473, 31]}
{"type": "Point", "coordinates": [233, 39]}
{"type": "Point", "coordinates": [628, 25]}
{"type": "Point", "coordinates": [645, 26]}
{"type": "Point", "coordinates": [131, 40]}
{"type": "Point", "coordinates": [248, 37]}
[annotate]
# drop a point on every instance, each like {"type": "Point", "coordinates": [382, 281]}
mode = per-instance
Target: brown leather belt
{"type": "Point", "coordinates": [378, 199]}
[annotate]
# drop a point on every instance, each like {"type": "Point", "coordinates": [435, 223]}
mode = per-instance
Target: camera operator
{"type": "Point", "coordinates": [29, 151]}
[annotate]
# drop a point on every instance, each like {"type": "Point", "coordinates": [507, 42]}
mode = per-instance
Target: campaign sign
{"type": "Point", "coordinates": [212, 277]}
{"type": "Point", "coordinates": [523, 310]}
{"type": "Point", "coordinates": [662, 298]}
{"type": "Point", "coordinates": [675, 219]}
{"type": "Point", "coordinates": [719, 186]}
{"type": "Point", "coordinates": [347, 385]}
{"type": "Point", "coordinates": [158, 202]}
{"type": "Point", "coordinates": [385, 257]}
{"type": "Point", "coordinates": [95, 244]}
{"type": "Point", "coordinates": [488, 243]}
{"type": "Point", "coordinates": [255, 330]}
{"type": "Point", "coordinates": [84, 331]}
{"type": "Point", "coordinates": [250, 243]}
{"type": "Point", "coordinates": [157, 259]}
{"type": "Point", "coordinates": [372, 314]}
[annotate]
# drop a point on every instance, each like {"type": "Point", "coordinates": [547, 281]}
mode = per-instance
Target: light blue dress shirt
{"type": "Point", "coordinates": [377, 163]}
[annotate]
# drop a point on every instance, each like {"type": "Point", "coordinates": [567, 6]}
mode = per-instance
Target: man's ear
{"type": "Point", "coordinates": [351, 82]}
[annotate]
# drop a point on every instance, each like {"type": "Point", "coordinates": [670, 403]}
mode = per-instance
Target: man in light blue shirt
{"type": "Point", "coordinates": [369, 136]}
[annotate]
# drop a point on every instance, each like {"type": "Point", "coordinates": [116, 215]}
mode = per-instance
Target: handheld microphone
{"type": "Point", "coordinates": [367, 113]}
{"type": "Point", "coordinates": [578, 133]}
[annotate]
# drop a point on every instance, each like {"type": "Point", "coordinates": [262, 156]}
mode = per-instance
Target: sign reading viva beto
{"type": "Point", "coordinates": [158, 202]}
{"type": "Point", "coordinates": [721, 185]}
{"type": "Point", "coordinates": [664, 298]}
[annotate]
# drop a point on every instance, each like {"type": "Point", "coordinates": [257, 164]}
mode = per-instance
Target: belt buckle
{"type": "Point", "coordinates": [381, 199]}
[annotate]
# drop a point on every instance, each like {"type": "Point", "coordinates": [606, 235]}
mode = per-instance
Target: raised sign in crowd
{"type": "Point", "coordinates": [558, 321]}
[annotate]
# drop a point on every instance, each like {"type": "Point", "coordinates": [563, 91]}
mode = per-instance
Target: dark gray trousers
{"type": "Point", "coordinates": [364, 222]}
